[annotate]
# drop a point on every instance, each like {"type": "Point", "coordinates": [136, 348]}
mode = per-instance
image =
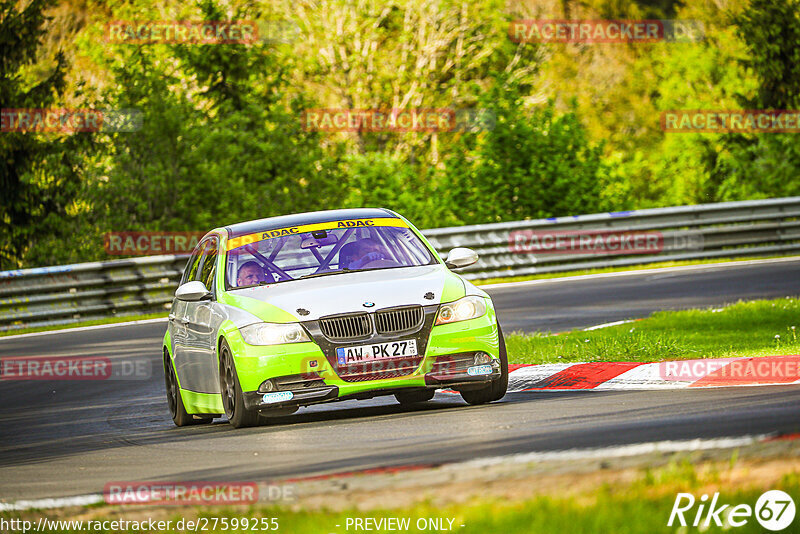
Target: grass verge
{"type": "Point", "coordinates": [744, 329]}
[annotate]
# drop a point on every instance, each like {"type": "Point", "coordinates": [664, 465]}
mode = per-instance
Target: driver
{"type": "Point", "coordinates": [250, 274]}
{"type": "Point", "coordinates": [367, 250]}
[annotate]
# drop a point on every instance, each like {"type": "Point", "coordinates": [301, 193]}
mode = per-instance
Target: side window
{"type": "Point", "coordinates": [194, 262]}
{"type": "Point", "coordinates": [206, 274]}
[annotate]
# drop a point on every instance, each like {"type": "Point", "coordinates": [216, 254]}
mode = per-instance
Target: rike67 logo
{"type": "Point", "coordinates": [774, 510]}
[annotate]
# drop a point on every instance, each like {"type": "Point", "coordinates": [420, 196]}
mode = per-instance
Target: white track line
{"type": "Point", "coordinates": [80, 500]}
{"type": "Point", "coordinates": [637, 272]}
{"type": "Point", "coordinates": [619, 451]}
{"type": "Point", "coordinates": [606, 325]}
{"type": "Point", "coordinates": [85, 328]}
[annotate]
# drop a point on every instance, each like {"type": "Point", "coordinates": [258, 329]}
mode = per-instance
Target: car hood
{"type": "Point", "coordinates": [348, 292]}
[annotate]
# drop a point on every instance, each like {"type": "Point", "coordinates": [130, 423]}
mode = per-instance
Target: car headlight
{"type": "Point", "coordinates": [274, 333]}
{"type": "Point", "coordinates": [461, 310]}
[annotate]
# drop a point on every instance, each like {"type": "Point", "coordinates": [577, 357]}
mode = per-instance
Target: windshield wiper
{"type": "Point", "coordinates": [325, 273]}
{"type": "Point", "coordinates": [338, 271]}
{"type": "Point", "coordinates": [264, 283]}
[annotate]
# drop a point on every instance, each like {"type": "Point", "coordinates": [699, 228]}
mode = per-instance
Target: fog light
{"type": "Point", "coordinates": [266, 386]}
{"type": "Point", "coordinates": [481, 358]}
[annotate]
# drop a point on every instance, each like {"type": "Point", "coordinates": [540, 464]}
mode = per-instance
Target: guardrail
{"type": "Point", "coordinates": [97, 290]}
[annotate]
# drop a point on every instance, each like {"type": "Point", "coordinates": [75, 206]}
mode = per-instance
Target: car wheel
{"type": "Point", "coordinates": [415, 395]}
{"type": "Point", "coordinates": [496, 390]}
{"type": "Point", "coordinates": [176, 408]}
{"type": "Point", "coordinates": [230, 389]}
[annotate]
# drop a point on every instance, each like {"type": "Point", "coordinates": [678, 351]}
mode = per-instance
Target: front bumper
{"type": "Point", "coordinates": [447, 351]}
{"type": "Point", "coordinates": [261, 401]}
{"type": "Point", "coordinates": [453, 378]}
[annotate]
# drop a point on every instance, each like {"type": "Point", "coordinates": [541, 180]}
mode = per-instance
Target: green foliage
{"type": "Point", "coordinates": [771, 29]}
{"type": "Point", "coordinates": [39, 174]}
{"type": "Point", "coordinates": [430, 54]}
{"type": "Point", "coordinates": [765, 165]}
{"type": "Point", "coordinates": [574, 129]}
{"type": "Point", "coordinates": [529, 165]}
{"type": "Point", "coordinates": [220, 140]}
{"type": "Point", "coordinates": [376, 179]}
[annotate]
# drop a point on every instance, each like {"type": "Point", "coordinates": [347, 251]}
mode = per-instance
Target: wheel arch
{"type": "Point", "coordinates": [230, 334]}
{"type": "Point", "coordinates": [167, 343]}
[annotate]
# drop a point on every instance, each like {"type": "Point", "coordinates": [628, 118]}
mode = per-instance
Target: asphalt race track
{"type": "Point", "coordinates": [555, 306]}
{"type": "Point", "coordinates": [64, 438]}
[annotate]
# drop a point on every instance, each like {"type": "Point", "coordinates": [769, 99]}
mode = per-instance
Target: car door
{"type": "Point", "coordinates": [177, 315]}
{"type": "Point", "coordinates": [198, 366]}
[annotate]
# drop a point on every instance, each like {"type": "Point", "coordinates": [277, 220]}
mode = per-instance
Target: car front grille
{"type": "Point", "coordinates": [378, 370]}
{"type": "Point", "coordinates": [382, 326]}
{"type": "Point", "coordinates": [299, 382]}
{"type": "Point", "coordinates": [453, 364]}
{"type": "Point", "coordinates": [346, 327]}
{"type": "Point", "coordinates": [399, 319]}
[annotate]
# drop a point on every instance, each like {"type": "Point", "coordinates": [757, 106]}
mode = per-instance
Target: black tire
{"type": "Point", "coordinates": [414, 396]}
{"type": "Point", "coordinates": [176, 407]}
{"type": "Point", "coordinates": [231, 391]}
{"type": "Point", "coordinates": [496, 390]}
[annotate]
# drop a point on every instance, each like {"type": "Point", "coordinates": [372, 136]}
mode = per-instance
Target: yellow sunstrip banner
{"type": "Point", "coordinates": [240, 241]}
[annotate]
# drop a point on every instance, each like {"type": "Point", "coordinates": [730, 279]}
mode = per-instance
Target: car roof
{"type": "Point", "coordinates": [284, 221]}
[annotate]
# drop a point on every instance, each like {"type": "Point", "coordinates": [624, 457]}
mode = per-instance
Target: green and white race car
{"type": "Point", "coordinates": [316, 307]}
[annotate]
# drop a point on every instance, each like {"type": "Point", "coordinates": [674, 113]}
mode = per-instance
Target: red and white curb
{"type": "Point", "coordinates": [722, 372]}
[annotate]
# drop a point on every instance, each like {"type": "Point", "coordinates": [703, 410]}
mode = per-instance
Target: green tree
{"type": "Point", "coordinates": [39, 173]}
{"type": "Point", "coordinates": [771, 29]}
{"type": "Point", "coordinates": [368, 54]}
{"type": "Point", "coordinates": [528, 165]}
{"type": "Point", "coordinates": [377, 179]}
{"type": "Point", "coordinates": [766, 164]}
{"type": "Point", "coordinates": [221, 139]}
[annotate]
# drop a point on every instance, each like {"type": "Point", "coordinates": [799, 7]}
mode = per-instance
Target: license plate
{"type": "Point", "coordinates": [376, 351]}
{"type": "Point", "coordinates": [278, 396]}
{"type": "Point", "coordinates": [479, 370]}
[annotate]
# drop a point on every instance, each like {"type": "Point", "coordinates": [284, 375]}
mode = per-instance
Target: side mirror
{"type": "Point", "coordinates": [461, 257]}
{"type": "Point", "coordinates": [192, 292]}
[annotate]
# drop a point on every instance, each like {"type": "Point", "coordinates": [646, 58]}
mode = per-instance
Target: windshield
{"type": "Point", "coordinates": [290, 253]}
